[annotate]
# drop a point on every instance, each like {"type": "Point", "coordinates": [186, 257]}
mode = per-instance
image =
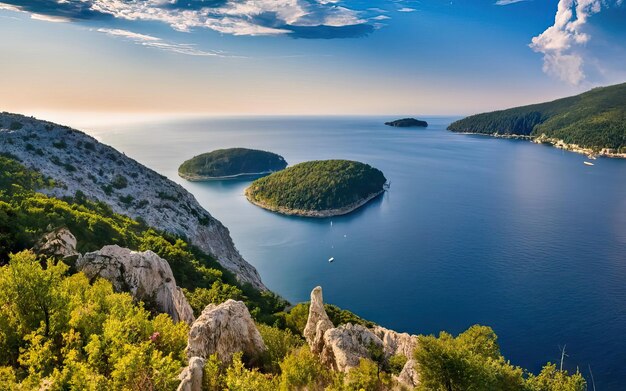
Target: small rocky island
{"type": "Point", "coordinates": [231, 163]}
{"type": "Point", "coordinates": [407, 123]}
{"type": "Point", "coordinates": [320, 188]}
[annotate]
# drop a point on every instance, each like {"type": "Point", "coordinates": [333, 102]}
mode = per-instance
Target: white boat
{"type": "Point", "coordinates": [331, 259]}
{"type": "Point", "coordinates": [588, 163]}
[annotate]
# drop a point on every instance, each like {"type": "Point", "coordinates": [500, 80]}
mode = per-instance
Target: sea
{"type": "Point", "coordinates": [521, 237]}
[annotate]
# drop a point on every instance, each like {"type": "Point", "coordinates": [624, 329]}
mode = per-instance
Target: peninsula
{"type": "Point", "coordinates": [231, 163]}
{"type": "Point", "coordinates": [321, 188]}
{"type": "Point", "coordinates": [591, 123]}
{"type": "Point", "coordinates": [407, 123]}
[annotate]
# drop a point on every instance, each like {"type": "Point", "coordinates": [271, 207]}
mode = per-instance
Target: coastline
{"type": "Point", "coordinates": [314, 213]}
{"type": "Point", "coordinates": [556, 143]}
{"type": "Point", "coordinates": [202, 178]}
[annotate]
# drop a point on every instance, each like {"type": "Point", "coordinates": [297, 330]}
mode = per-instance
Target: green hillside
{"type": "Point", "coordinates": [230, 162]}
{"type": "Point", "coordinates": [595, 119]}
{"type": "Point", "coordinates": [317, 185]}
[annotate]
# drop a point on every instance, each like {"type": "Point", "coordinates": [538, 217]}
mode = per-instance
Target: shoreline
{"type": "Point", "coordinates": [556, 143]}
{"type": "Point", "coordinates": [202, 178]}
{"type": "Point", "coordinates": [314, 213]}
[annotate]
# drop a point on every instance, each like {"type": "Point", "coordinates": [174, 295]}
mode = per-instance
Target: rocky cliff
{"type": "Point", "coordinates": [78, 162]}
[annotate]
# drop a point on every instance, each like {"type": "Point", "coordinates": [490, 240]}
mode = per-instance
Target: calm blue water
{"type": "Point", "coordinates": [518, 236]}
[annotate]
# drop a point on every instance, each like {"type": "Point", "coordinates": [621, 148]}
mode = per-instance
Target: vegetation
{"type": "Point", "coordinates": [407, 123]}
{"type": "Point", "coordinates": [595, 119]}
{"type": "Point", "coordinates": [59, 331]}
{"type": "Point", "coordinates": [317, 186]}
{"type": "Point", "coordinates": [25, 216]}
{"type": "Point", "coordinates": [229, 162]}
{"type": "Point", "coordinates": [472, 361]}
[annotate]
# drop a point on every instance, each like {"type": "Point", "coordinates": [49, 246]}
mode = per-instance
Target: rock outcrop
{"type": "Point", "coordinates": [396, 343]}
{"type": "Point", "coordinates": [346, 345]}
{"type": "Point", "coordinates": [409, 376]}
{"type": "Point", "coordinates": [145, 275]}
{"type": "Point", "coordinates": [191, 376]}
{"type": "Point", "coordinates": [317, 323]}
{"type": "Point", "coordinates": [225, 329]}
{"type": "Point", "coordinates": [341, 348]}
{"type": "Point", "coordinates": [60, 243]}
{"type": "Point", "coordinates": [77, 162]}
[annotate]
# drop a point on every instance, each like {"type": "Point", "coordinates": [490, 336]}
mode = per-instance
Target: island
{"type": "Point", "coordinates": [320, 188]}
{"type": "Point", "coordinates": [593, 123]}
{"type": "Point", "coordinates": [407, 123]}
{"type": "Point", "coordinates": [231, 163]}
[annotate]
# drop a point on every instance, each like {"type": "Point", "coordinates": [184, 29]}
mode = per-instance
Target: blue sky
{"type": "Point", "coordinates": [304, 56]}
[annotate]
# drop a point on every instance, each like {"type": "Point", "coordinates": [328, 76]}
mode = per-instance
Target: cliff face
{"type": "Point", "coordinates": [78, 162]}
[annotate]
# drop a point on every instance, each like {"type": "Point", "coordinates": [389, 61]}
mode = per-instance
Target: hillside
{"type": "Point", "coordinates": [229, 163]}
{"type": "Point", "coordinates": [79, 164]}
{"type": "Point", "coordinates": [318, 188]}
{"type": "Point", "coordinates": [594, 120]}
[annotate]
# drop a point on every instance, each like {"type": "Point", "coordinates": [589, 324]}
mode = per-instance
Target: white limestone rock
{"type": "Point", "coordinates": [225, 329]}
{"type": "Point", "coordinates": [145, 275]}
{"type": "Point", "coordinates": [345, 345]}
{"type": "Point", "coordinates": [317, 323]}
{"type": "Point", "coordinates": [191, 376]}
{"type": "Point", "coordinates": [60, 243]}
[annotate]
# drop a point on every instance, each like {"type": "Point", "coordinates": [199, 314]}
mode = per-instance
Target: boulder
{"type": "Point", "coordinates": [191, 376]}
{"type": "Point", "coordinates": [60, 243]}
{"type": "Point", "coordinates": [344, 346]}
{"type": "Point", "coordinates": [225, 329]}
{"type": "Point", "coordinates": [145, 275]}
{"type": "Point", "coordinates": [409, 376]}
{"type": "Point", "coordinates": [396, 343]}
{"type": "Point", "coordinates": [317, 323]}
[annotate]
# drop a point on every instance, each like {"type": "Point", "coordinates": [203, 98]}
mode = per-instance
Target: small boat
{"type": "Point", "coordinates": [588, 163]}
{"type": "Point", "coordinates": [331, 259]}
{"type": "Point", "coordinates": [592, 157]}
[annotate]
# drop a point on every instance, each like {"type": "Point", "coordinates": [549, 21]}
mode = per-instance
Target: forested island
{"type": "Point", "coordinates": [318, 188]}
{"type": "Point", "coordinates": [407, 123]}
{"type": "Point", "coordinates": [113, 277]}
{"type": "Point", "coordinates": [592, 123]}
{"type": "Point", "coordinates": [231, 163]}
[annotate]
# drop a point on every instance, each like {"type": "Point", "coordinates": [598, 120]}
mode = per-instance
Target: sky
{"type": "Point", "coordinates": [303, 57]}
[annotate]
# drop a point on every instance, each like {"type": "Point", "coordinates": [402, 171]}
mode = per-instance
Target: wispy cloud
{"type": "Point", "coordinates": [507, 2]}
{"type": "Point", "coordinates": [298, 18]}
{"type": "Point", "coordinates": [407, 9]}
{"type": "Point", "coordinates": [562, 42]}
{"type": "Point", "coordinates": [158, 43]}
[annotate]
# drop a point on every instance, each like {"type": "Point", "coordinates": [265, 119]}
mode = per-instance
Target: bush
{"type": "Point", "coordinates": [279, 343]}
{"type": "Point", "coordinates": [119, 181]}
{"type": "Point", "coordinates": [16, 125]}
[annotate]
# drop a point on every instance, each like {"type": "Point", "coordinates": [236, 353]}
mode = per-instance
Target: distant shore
{"type": "Point", "coordinates": [557, 143]}
{"type": "Point", "coordinates": [201, 178]}
{"type": "Point", "coordinates": [315, 213]}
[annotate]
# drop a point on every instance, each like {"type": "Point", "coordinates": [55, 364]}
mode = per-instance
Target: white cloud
{"type": "Point", "coordinates": [407, 9]}
{"type": "Point", "coordinates": [380, 17]}
{"type": "Point", "coordinates": [158, 43]}
{"type": "Point", "coordinates": [50, 18]}
{"type": "Point", "coordinates": [237, 17]}
{"type": "Point", "coordinates": [507, 2]}
{"type": "Point", "coordinates": [562, 42]}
